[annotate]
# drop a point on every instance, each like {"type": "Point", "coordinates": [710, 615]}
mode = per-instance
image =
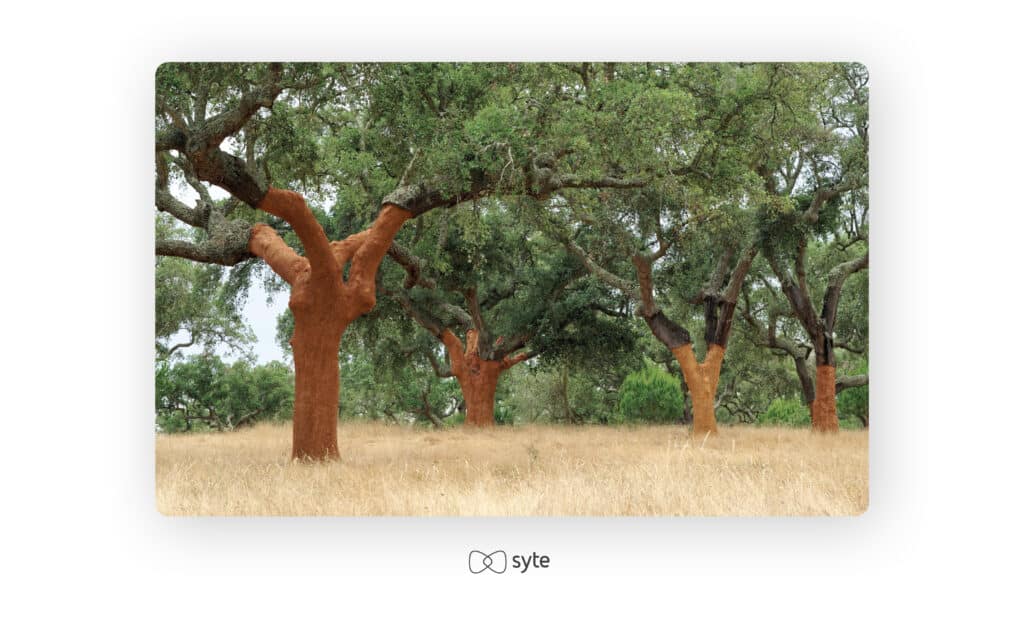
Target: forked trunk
{"type": "Point", "coordinates": [323, 303]}
{"type": "Point", "coordinates": [823, 408]}
{"type": "Point", "coordinates": [702, 381]}
{"type": "Point", "coordinates": [478, 377]}
{"type": "Point", "coordinates": [315, 418]}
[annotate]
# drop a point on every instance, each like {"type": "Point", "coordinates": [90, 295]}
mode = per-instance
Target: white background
{"type": "Point", "coordinates": [83, 541]}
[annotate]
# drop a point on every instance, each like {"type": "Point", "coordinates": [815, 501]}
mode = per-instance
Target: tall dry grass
{"type": "Point", "coordinates": [522, 471]}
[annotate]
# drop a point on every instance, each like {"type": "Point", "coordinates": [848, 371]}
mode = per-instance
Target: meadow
{"type": "Point", "coordinates": [388, 469]}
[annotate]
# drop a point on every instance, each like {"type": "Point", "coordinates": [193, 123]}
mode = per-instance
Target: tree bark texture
{"type": "Point", "coordinates": [821, 330]}
{"type": "Point", "coordinates": [702, 381]}
{"type": "Point", "coordinates": [323, 305]}
{"type": "Point", "coordinates": [478, 377]}
{"type": "Point", "coordinates": [823, 409]}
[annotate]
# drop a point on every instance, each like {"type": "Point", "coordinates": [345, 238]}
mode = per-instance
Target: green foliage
{"type": "Point", "coordinates": [344, 135]}
{"type": "Point", "coordinates": [202, 393]}
{"type": "Point", "coordinates": [852, 403]}
{"type": "Point", "coordinates": [650, 395]}
{"type": "Point", "coordinates": [197, 305]}
{"type": "Point", "coordinates": [503, 414]}
{"type": "Point", "coordinates": [786, 411]}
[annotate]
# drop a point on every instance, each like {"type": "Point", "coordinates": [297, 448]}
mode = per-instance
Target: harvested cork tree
{"type": "Point", "coordinates": [719, 304]}
{"type": "Point", "coordinates": [535, 303]}
{"type": "Point", "coordinates": [821, 330]}
{"type": "Point", "coordinates": [332, 282]}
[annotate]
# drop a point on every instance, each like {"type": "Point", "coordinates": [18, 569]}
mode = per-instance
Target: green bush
{"type": "Point", "coordinates": [652, 395]}
{"type": "Point", "coordinates": [204, 393]}
{"type": "Point", "coordinates": [503, 415]}
{"type": "Point", "coordinates": [456, 418]}
{"type": "Point", "coordinates": [789, 412]}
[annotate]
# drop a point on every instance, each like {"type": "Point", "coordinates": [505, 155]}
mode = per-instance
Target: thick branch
{"type": "Point", "coordinates": [214, 130]}
{"type": "Point", "coordinates": [456, 351]}
{"type": "Point", "coordinates": [646, 290]}
{"type": "Point", "coordinates": [601, 273]}
{"type": "Point", "coordinates": [413, 266]}
{"type": "Point", "coordinates": [228, 243]}
{"type": "Point", "coordinates": [739, 274]}
{"type": "Point", "coordinates": [286, 262]}
{"type": "Point", "coordinates": [824, 195]}
{"type": "Point", "coordinates": [510, 361]}
{"type": "Point", "coordinates": [362, 277]}
{"type": "Point", "coordinates": [167, 203]}
{"type": "Point", "coordinates": [291, 207]}
{"type": "Point", "coordinates": [718, 275]}
{"type": "Point", "coordinates": [852, 381]}
{"type": "Point", "coordinates": [667, 331]}
{"type": "Point", "coordinates": [798, 299]}
{"type": "Point", "coordinates": [836, 278]}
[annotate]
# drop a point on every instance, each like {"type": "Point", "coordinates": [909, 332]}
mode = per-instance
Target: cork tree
{"type": "Point", "coordinates": [498, 293]}
{"type": "Point", "coordinates": [814, 173]}
{"type": "Point", "coordinates": [373, 146]}
{"type": "Point", "coordinates": [775, 327]}
{"type": "Point", "coordinates": [687, 238]}
{"type": "Point", "coordinates": [670, 260]}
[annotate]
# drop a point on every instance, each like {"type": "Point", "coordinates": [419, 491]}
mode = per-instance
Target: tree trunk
{"type": "Point", "coordinates": [478, 390]}
{"type": "Point", "coordinates": [478, 377]}
{"type": "Point", "coordinates": [315, 420]}
{"type": "Point", "coordinates": [702, 381]}
{"type": "Point", "coordinates": [323, 303]}
{"type": "Point", "coordinates": [823, 409]}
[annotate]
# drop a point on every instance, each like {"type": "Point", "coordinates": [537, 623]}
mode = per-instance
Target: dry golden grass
{"type": "Point", "coordinates": [523, 471]}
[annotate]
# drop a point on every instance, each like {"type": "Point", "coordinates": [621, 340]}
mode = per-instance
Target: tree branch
{"type": "Point", "coordinates": [852, 381]}
{"type": "Point", "coordinates": [836, 278]}
{"type": "Point", "coordinates": [265, 243]}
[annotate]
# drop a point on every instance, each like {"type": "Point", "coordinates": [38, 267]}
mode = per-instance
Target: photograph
{"type": "Point", "coordinates": [511, 289]}
{"type": "Point", "coordinates": [485, 313]}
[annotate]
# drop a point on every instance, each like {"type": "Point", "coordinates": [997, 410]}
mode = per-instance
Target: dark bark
{"type": "Point", "coordinates": [852, 381]}
{"type": "Point", "coordinates": [667, 331]}
{"type": "Point", "coordinates": [820, 328]}
{"type": "Point", "coordinates": [701, 378]}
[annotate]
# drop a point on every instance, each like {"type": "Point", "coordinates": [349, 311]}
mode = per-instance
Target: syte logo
{"type": "Point", "coordinates": [497, 561]}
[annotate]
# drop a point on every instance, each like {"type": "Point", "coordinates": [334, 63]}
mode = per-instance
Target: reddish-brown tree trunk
{"type": "Point", "coordinates": [323, 304]}
{"type": "Point", "coordinates": [823, 409]}
{"type": "Point", "coordinates": [702, 381]}
{"type": "Point", "coordinates": [478, 377]}
{"type": "Point", "coordinates": [315, 417]}
{"type": "Point", "coordinates": [478, 390]}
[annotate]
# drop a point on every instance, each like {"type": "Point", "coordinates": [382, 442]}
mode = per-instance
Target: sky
{"type": "Point", "coordinates": [261, 316]}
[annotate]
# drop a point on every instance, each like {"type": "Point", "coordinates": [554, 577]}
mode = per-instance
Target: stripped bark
{"type": "Point", "coordinates": [821, 330]}
{"type": "Point", "coordinates": [322, 301]}
{"type": "Point", "coordinates": [701, 378]}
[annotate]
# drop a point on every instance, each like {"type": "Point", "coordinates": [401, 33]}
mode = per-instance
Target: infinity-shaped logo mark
{"type": "Point", "coordinates": [479, 561]}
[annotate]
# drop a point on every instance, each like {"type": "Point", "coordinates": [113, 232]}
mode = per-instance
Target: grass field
{"type": "Point", "coordinates": [522, 471]}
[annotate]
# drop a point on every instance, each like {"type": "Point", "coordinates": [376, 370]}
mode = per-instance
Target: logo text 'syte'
{"type": "Point", "coordinates": [497, 561]}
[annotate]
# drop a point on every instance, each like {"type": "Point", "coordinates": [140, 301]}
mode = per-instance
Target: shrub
{"type": "Point", "coordinates": [789, 412]}
{"type": "Point", "coordinates": [203, 393]}
{"type": "Point", "coordinates": [456, 418]}
{"type": "Point", "coordinates": [652, 395]}
{"type": "Point", "coordinates": [503, 415]}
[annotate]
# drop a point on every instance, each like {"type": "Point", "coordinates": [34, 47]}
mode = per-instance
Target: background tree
{"type": "Point", "coordinates": [773, 325]}
{"type": "Point", "coordinates": [506, 294]}
{"type": "Point", "coordinates": [813, 162]}
{"type": "Point", "coordinates": [204, 390]}
{"type": "Point", "coordinates": [197, 306]}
